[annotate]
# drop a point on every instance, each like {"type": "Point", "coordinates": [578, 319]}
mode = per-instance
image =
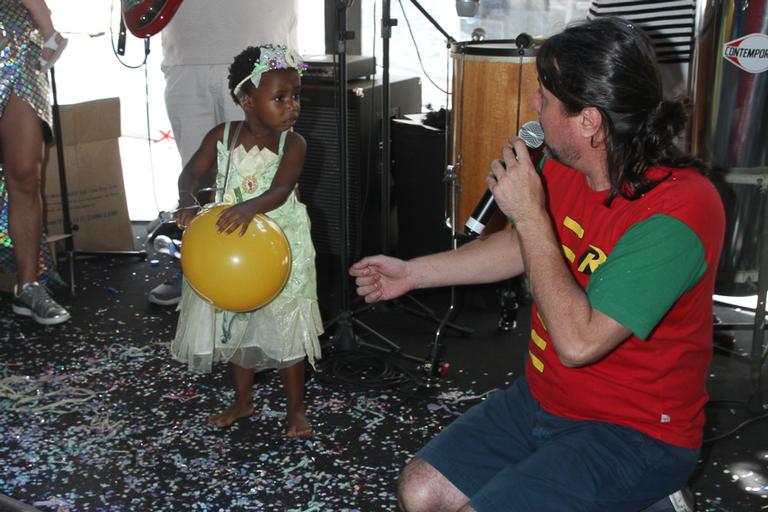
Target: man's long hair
{"type": "Point", "coordinates": [610, 64]}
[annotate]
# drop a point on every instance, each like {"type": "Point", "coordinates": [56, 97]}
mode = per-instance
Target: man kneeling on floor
{"type": "Point", "coordinates": [620, 238]}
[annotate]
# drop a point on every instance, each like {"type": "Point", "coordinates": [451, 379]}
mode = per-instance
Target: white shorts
{"type": "Point", "coordinates": [197, 99]}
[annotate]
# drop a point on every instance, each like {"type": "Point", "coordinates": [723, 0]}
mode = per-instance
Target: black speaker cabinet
{"type": "Point", "coordinates": [419, 189]}
{"type": "Point", "coordinates": [320, 183]}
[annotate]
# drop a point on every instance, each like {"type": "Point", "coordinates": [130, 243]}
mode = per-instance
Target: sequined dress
{"type": "Point", "coordinates": [20, 49]}
{"type": "Point", "coordinates": [284, 331]}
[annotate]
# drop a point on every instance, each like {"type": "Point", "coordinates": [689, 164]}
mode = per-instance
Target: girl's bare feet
{"type": "Point", "coordinates": [298, 425]}
{"type": "Point", "coordinates": [231, 415]}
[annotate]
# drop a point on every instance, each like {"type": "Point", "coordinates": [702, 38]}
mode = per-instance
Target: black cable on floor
{"type": "Point", "coordinates": [374, 371]}
{"type": "Point", "coordinates": [364, 370]}
{"type": "Point", "coordinates": [736, 428]}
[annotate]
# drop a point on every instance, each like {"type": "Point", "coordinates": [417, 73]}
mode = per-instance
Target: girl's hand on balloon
{"type": "Point", "coordinates": [183, 217]}
{"type": "Point", "coordinates": [238, 216]}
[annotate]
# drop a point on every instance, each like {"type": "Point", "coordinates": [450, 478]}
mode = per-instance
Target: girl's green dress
{"type": "Point", "coordinates": [280, 333]}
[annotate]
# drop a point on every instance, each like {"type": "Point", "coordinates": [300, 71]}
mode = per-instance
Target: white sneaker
{"type": "Point", "coordinates": [35, 300]}
{"type": "Point", "coordinates": [682, 500]}
{"type": "Point", "coordinates": [679, 501]}
{"type": "Point", "coordinates": [168, 293]}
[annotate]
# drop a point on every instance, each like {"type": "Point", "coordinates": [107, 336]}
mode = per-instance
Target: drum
{"type": "Point", "coordinates": [493, 85]}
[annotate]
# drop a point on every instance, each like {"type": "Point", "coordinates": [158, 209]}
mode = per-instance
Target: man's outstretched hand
{"type": "Point", "coordinates": [381, 278]}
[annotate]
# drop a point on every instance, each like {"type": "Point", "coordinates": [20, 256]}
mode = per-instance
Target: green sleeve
{"type": "Point", "coordinates": [649, 268]}
{"type": "Point", "coordinates": [542, 162]}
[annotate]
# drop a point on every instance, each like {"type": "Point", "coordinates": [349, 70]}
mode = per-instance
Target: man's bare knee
{"type": "Point", "coordinates": [422, 488]}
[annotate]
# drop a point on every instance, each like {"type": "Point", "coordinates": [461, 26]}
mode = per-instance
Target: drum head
{"type": "Point", "coordinates": [491, 48]}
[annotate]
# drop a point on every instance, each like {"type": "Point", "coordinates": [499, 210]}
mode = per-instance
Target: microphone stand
{"type": "Point", "coordinates": [68, 227]}
{"type": "Point", "coordinates": [387, 23]}
{"type": "Point", "coordinates": [432, 367]}
{"type": "Point", "coordinates": [65, 216]}
{"type": "Point", "coordinates": [344, 337]}
{"type": "Point", "coordinates": [509, 295]}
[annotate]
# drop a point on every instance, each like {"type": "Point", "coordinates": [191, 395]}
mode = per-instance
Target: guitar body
{"type": "Point", "coordinates": [146, 18]}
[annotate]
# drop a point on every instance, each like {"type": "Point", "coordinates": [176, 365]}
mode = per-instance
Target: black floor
{"type": "Point", "coordinates": [94, 415]}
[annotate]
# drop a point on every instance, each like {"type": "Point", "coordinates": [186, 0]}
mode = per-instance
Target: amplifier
{"type": "Point", "coordinates": [320, 183]}
{"type": "Point", "coordinates": [322, 68]}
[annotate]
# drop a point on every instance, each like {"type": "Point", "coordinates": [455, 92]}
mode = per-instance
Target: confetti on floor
{"type": "Point", "coordinates": [94, 415]}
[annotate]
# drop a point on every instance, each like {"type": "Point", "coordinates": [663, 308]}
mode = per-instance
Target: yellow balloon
{"type": "Point", "coordinates": [233, 272]}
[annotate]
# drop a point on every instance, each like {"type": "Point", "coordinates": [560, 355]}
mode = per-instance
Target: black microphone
{"type": "Point", "coordinates": [523, 41]}
{"type": "Point", "coordinates": [467, 8]}
{"type": "Point", "coordinates": [533, 136]}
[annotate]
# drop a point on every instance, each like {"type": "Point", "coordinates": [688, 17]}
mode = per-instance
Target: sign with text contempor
{"type": "Point", "coordinates": [750, 52]}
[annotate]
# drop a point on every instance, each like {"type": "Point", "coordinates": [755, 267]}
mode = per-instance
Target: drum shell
{"type": "Point", "coordinates": [492, 97]}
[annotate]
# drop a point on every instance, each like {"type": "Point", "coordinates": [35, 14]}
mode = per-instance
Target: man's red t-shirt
{"type": "Point", "coordinates": [649, 264]}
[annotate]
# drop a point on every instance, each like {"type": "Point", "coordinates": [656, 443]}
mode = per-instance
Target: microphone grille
{"type": "Point", "coordinates": [532, 134]}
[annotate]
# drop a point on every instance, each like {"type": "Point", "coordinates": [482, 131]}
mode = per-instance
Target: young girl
{"type": "Point", "coordinates": [259, 163]}
{"type": "Point", "coordinates": [54, 42]}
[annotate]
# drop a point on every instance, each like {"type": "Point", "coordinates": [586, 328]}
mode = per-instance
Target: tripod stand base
{"type": "Point", "coordinates": [353, 360]}
{"type": "Point", "coordinates": [434, 371]}
{"type": "Point", "coordinates": [428, 314]}
{"type": "Point", "coordinates": [345, 339]}
{"type": "Point", "coordinates": [72, 254]}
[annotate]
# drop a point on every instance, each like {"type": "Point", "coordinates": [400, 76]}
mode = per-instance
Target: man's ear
{"type": "Point", "coordinates": [590, 122]}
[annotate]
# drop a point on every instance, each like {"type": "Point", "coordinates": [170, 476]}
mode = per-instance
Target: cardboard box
{"type": "Point", "coordinates": [94, 178]}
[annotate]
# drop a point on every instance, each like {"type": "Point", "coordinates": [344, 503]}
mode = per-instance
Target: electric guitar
{"type": "Point", "coordinates": [146, 18]}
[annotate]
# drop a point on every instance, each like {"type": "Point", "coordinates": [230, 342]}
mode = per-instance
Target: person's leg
{"type": "Point", "coordinates": [421, 487]}
{"type": "Point", "coordinates": [225, 109]}
{"type": "Point", "coordinates": [585, 466]}
{"type": "Point", "coordinates": [293, 382]}
{"type": "Point", "coordinates": [189, 108]}
{"type": "Point", "coordinates": [21, 134]}
{"type": "Point", "coordinates": [243, 405]}
{"type": "Point", "coordinates": [470, 452]}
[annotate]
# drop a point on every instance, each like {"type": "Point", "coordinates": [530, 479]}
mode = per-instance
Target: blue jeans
{"type": "Point", "coordinates": [507, 454]}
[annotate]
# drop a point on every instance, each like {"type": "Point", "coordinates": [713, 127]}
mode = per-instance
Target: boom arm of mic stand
{"type": "Point", "coordinates": [433, 365]}
{"type": "Point", "coordinates": [432, 20]}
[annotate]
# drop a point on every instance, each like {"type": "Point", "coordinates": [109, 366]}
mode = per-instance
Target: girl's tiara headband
{"type": "Point", "coordinates": [272, 57]}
